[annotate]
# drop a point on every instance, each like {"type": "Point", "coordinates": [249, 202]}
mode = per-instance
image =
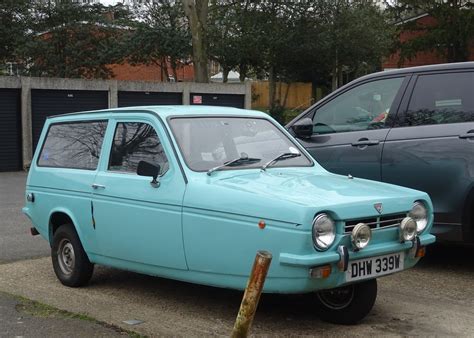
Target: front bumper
{"type": "Point", "coordinates": [333, 258]}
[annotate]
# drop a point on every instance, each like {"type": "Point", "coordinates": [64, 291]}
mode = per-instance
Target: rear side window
{"type": "Point", "coordinates": [74, 145]}
{"type": "Point", "coordinates": [442, 98]}
{"type": "Point", "coordinates": [135, 142]}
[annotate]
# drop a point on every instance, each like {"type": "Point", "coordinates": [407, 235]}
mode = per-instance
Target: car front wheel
{"type": "Point", "coordinates": [70, 262]}
{"type": "Point", "coordinates": [348, 304]}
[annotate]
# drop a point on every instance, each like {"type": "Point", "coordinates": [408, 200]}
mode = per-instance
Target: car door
{"type": "Point", "coordinates": [136, 221]}
{"type": "Point", "coordinates": [350, 129]}
{"type": "Point", "coordinates": [432, 146]}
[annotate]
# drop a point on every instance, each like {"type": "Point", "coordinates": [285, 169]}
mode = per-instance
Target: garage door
{"type": "Point", "coordinates": [128, 99]}
{"type": "Point", "coordinates": [227, 100]}
{"type": "Point", "coordinates": [10, 130]}
{"type": "Point", "coordinates": [45, 103]}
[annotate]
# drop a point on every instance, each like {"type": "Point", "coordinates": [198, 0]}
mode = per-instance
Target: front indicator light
{"type": "Point", "coordinates": [421, 252]}
{"type": "Point", "coordinates": [320, 272]}
{"type": "Point", "coordinates": [360, 236]}
{"type": "Point", "coordinates": [407, 229]}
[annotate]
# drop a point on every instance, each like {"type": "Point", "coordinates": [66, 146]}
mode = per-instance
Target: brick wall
{"type": "Point", "coordinates": [421, 58]}
{"type": "Point", "coordinates": [126, 71]}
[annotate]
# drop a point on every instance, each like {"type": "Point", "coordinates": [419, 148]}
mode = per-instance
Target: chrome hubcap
{"type": "Point", "coordinates": [337, 299]}
{"type": "Point", "coordinates": [66, 257]}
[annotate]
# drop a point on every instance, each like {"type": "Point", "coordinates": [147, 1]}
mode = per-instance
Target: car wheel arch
{"type": "Point", "coordinates": [61, 217]}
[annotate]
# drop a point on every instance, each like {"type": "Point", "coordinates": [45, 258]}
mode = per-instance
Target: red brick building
{"type": "Point", "coordinates": [142, 72]}
{"type": "Point", "coordinates": [126, 71]}
{"type": "Point", "coordinates": [421, 58]}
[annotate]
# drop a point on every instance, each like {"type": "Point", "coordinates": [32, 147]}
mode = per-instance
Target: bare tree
{"type": "Point", "coordinates": [196, 12]}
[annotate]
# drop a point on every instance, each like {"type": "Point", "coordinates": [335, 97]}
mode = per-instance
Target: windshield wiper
{"type": "Point", "coordinates": [243, 159]}
{"type": "Point", "coordinates": [280, 157]}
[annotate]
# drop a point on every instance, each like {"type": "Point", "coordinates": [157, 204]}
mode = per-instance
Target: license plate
{"type": "Point", "coordinates": [374, 266]}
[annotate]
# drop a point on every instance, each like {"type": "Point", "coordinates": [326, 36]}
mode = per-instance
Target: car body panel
{"type": "Point", "coordinates": [205, 228]}
{"type": "Point", "coordinates": [132, 202]}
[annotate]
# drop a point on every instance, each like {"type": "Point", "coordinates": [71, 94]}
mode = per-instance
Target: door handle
{"type": "Point", "coordinates": [469, 134]}
{"type": "Point", "coordinates": [365, 142]}
{"type": "Point", "coordinates": [98, 186]}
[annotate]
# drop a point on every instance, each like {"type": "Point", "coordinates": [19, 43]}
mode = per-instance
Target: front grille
{"type": "Point", "coordinates": [374, 223]}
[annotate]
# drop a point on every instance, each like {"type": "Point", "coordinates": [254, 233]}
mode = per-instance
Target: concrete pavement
{"type": "Point", "coordinates": [429, 300]}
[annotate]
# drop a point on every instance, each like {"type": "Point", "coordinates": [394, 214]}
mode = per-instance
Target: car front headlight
{"type": "Point", "coordinates": [408, 229]}
{"type": "Point", "coordinates": [419, 213]}
{"type": "Point", "coordinates": [324, 232]}
{"type": "Point", "coordinates": [360, 236]}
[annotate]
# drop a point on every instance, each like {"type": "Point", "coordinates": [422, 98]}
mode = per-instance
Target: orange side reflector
{"type": "Point", "coordinates": [261, 224]}
{"type": "Point", "coordinates": [320, 272]}
{"type": "Point", "coordinates": [420, 252]}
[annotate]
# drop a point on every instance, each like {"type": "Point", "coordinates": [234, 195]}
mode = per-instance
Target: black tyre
{"type": "Point", "coordinates": [347, 305]}
{"type": "Point", "coordinates": [70, 262]}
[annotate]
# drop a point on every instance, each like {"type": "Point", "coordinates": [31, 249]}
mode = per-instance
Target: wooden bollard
{"type": "Point", "coordinates": [252, 294]}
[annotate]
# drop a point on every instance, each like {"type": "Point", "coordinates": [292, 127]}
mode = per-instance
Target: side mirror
{"type": "Point", "coordinates": [147, 169]}
{"type": "Point", "coordinates": [303, 128]}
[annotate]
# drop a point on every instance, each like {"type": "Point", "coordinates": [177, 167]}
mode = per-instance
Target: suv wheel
{"type": "Point", "coordinates": [70, 262]}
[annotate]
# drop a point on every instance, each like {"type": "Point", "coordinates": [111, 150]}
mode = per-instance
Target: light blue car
{"type": "Point", "coordinates": [192, 193]}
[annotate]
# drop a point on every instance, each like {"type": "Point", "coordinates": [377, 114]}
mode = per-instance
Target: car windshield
{"type": "Point", "coordinates": [207, 142]}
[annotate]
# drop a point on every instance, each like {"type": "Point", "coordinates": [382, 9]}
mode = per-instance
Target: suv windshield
{"type": "Point", "coordinates": [207, 142]}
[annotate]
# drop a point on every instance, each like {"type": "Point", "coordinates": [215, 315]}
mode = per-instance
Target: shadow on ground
{"type": "Point", "coordinates": [446, 257]}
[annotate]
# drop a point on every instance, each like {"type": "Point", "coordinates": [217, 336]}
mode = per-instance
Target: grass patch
{"type": "Point", "coordinates": [38, 309]}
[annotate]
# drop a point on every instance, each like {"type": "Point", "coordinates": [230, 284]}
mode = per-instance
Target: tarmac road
{"type": "Point", "coordinates": [434, 298]}
{"type": "Point", "coordinates": [16, 243]}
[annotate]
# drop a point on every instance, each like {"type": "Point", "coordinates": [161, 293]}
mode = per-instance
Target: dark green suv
{"type": "Point", "coordinates": [412, 127]}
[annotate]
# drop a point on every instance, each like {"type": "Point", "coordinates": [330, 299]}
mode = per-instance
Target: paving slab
{"type": "Point", "coordinates": [430, 300]}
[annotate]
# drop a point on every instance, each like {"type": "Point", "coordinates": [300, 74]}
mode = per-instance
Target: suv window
{"type": "Point", "coordinates": [441, 98]}
{"type": "Point", "coordinates": [134, 142]}
{"type": "Point", "coordinates": [73, 145]}
{"type": "Point", "coordinates": [363, 107]}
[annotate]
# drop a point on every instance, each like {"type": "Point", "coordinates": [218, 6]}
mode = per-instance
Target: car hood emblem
{"type": "Point", "coordinates": [378, 207]}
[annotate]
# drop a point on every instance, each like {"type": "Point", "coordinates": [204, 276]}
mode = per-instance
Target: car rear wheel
{"type": "Point", "coordinates": [70, 262]}
{"type": "Point", "coordinates": [348, 304]}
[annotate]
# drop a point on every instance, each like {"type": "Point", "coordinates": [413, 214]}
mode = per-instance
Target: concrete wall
{"type": "Point", "coordinates": [26, 84]}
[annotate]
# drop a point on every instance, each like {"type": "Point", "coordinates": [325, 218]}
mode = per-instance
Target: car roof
{"type": "Point", "coordinates": [421, 69]}
{"type": "Point", "coordinates": [173, 111]}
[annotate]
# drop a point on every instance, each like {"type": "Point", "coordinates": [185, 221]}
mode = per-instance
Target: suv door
{"type": "Point", "coordinates": [136, 221]}
{"type": "Point", "coordinates": [350, 129]}
{"type": "Point", "coordinates": [432, 147]}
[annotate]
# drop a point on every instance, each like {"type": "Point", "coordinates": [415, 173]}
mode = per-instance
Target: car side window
{"type": "Point", "coordinates": [134, 142]}
{"type": "Point", "coordinates": [74, 145]}
{"type": "Point", "coordinates": [361, 108]}
{"type": "Point", "coordinates": [440, 99]}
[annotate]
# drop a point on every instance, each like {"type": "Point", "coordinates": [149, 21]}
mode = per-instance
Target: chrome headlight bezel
{"type": "Point", "coordinates": [323, 220]}
{"type": "Point", "coordinates": [361, 230]}
{"type": "Point", "coordinates": [408, 229]}
{"type": "Point", "coordinates": [419, 213]}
